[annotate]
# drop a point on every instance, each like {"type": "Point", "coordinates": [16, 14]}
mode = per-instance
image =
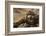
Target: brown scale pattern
{"type": "Point", "coordinates": [32, 20]}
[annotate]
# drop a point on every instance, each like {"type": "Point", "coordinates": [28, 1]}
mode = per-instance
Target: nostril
{"type": "Point", "coordinates": [31, 20]}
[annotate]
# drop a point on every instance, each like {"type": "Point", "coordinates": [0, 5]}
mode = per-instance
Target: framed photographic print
{"type": "Point", "coordinates": [24, 17]}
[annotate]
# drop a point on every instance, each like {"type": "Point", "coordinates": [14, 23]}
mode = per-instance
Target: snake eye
{"type": "Point", "coordinates": [32, 16]}
{"type": "Point", "coordinates": [29, 16]}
